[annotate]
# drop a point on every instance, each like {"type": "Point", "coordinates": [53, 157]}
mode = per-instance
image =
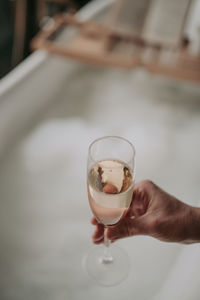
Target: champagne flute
{"type": "Point", "coordinates": [110, 179]}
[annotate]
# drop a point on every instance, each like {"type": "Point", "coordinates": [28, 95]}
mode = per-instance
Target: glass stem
{"type": "Point", "coordinates": [107, 257]}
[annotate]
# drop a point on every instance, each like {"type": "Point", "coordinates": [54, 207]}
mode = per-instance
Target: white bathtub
{"type": "Point", "coordinates": [50, 110]}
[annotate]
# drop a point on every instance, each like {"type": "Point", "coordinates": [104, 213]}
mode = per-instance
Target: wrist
{"type": "Point", "coordinates": [193, 231]}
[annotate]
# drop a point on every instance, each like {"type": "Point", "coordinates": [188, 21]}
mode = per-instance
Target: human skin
{"type": "Point", "coordinates": [155, 213]}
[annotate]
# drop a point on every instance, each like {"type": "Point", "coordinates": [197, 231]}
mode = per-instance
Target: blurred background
{"type": "Point", "coordinates": [51, 109]}
{"type": "Point", "coordinates": [20, 20]}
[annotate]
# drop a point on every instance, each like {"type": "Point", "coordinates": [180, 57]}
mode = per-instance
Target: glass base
{"type": "Point", "coordinates": [110, 271]}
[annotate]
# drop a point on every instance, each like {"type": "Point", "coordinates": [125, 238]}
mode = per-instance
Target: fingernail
{"type": "Point", "coordinates": [97, 239]}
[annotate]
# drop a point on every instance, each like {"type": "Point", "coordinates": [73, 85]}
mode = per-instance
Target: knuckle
{"type": "Point", "coordinates": [154, 226]}
{"type": "Point", "coordinates": [125, 229]}
{"type": "Point", "coordinates": [148, 183]}
{"type": "Point", "coordinates": [129, 231]}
